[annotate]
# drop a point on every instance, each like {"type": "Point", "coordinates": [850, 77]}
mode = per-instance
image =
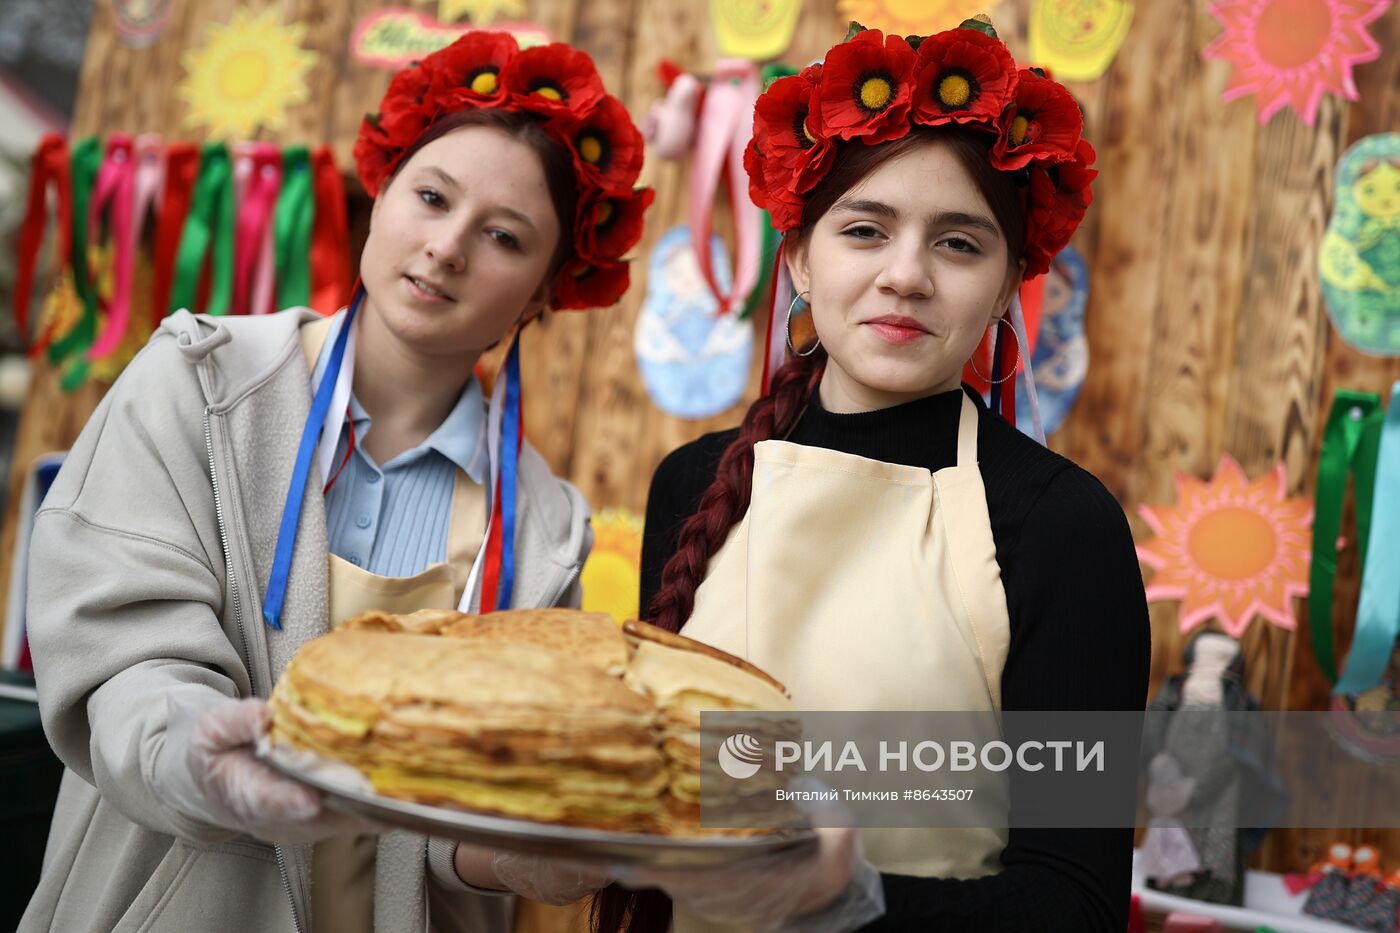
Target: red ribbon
{"type": "Point", "coordinates": [330, 237]}
{"type": "Point", "coordinates": [259, 178]}
{"type": "Point", "coordinates": [181, 166]}
{"type": "Point", "coordinates": [50, 167]}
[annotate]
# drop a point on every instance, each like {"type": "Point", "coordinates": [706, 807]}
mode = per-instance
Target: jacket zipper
{"type": "Point", "coordinates": [568, 582]}
{"type": "Point", "coordinates": [242, 633]}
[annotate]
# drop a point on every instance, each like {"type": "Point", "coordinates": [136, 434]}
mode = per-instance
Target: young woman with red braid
{"type": "Point", "coordinates": [873, 535]}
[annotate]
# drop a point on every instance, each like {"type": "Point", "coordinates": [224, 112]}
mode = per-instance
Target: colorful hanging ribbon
{"type": "Point", "coordinates": [726, 126]}
{"type": "Point", "coordinates": [296, 214]}
{"type": "Point", "coordinates": [210, 224]}
{"type": "Point", "coordinates": [114, 196]}
{"type": "Point", "coordinates": [1350, 444]}
{"type": "Point", "coordinates": [84, 161]}
{"type": "Point", "coordinates": [1378, 613]}
{"type": "Point", "coordinates": [257, 180]}
{"type": "Point", "coordinates": [498, 575]}
{"type": "Point", "coordinates": [330, 238]}
{"type": "Point", "coordinates": [181, 168]}
{"type": "Point", "coordinates": [49, 169]}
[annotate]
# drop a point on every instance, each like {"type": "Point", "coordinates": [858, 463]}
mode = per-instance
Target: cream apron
{"type": "Point", "coordinates": [342, 868]}
{"type": "Point", "coordinates": [865, 585]}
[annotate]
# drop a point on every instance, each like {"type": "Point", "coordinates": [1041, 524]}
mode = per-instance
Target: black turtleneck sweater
{"type": "Point", "coordinates": [1079, 638]}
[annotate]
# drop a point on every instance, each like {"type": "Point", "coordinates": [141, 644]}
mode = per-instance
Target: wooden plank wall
{"type": "Point", "coordinates": [1206, 324]}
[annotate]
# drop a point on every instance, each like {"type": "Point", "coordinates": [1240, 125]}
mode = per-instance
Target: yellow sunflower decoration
{"type": "Point", "coordinates": [613, 572]}
{"type": "Point", "coordinates": [246, 75]}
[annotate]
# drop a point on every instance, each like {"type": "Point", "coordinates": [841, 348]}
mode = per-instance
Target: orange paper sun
{"type": "Point", "coordinates": [1230, 549]}
{"type": "Point", "coordinates": [1290, 52]}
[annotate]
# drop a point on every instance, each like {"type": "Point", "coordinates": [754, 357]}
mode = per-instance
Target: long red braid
{"type": "Point", "coordinates": [727, 498]}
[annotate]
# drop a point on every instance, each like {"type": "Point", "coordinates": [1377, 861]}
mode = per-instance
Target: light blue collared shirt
{"type": "Point", "coordinates": [393, 519]}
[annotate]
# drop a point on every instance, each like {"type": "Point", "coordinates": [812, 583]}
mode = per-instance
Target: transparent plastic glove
{"type": "Point", "coordinates": [228, 786]}
{"type": "Point", "coordinates": [829, 888]}
{"type": "Point", "coordinates": [547, 880]}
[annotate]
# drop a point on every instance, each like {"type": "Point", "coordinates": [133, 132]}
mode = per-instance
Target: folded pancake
{"type": "Point", "coordinates": [486, 724]}
{"type": "Point", "coordinates": [683, 678]}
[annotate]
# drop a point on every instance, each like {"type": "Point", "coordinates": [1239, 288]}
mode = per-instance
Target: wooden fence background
{"type": "Point", "coordinates": [1206, 324]}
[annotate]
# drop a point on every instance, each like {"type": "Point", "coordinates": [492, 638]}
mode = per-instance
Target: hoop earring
{"type": "Point", "coordinates": [787, 326]}
{"type": "Point", "coordinates": [1014, 366]}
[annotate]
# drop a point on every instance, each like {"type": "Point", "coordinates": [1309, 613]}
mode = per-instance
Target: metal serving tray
{"type": "Point", "coordinates": [539, 838]}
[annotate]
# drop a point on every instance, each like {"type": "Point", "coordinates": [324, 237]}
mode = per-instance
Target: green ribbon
{"type": "Point", "coordinates": [1350, 444]}
{"type": "Point", "coordinates": [70, 352]}
{"type": "Point", "coordinates": [211, 218]}
{"type": "Point", "coordinates": [296, 215]}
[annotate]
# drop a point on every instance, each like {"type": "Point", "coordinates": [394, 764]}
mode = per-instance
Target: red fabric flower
{"type": "Point", "coordinates": [582, 284]}
{"type": "Point", "coordinates": [1060, 193]}
{"type": "Point", "coordinates": [790, 134]}
{"type": "Point", "coordinates": [468, 72]}
{"type": "Point", "coordinates": [610, 223]}
{"type": "Point", "coordinates": [962, 76]}
{"type": "Point", "coordinates": [784, 207]}
{"type": "Point", "coordinates": [606, 145]}
{"type": "Point", "coordinates": [1043, 126]}
{"type": "Point", "coordinates": [553, 79]}
{"type": "Point", "coordinates": [865, 88]}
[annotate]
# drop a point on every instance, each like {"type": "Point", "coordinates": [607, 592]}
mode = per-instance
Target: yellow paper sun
{"type": "Point", "coordinates": [612, 576]}
{"type": "Point", "coordinates": [910, 17]}
{"type": "Point", "coordinates": [1230, 549]}
{"type": "Point", "coordinates": [246, 75]}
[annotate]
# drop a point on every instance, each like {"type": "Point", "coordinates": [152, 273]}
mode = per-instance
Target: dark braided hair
{"type": "Point", "coordinates": [727, 498]}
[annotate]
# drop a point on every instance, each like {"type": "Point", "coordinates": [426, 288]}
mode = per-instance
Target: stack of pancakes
{"type": "Point", "coordinates": [552, 715]}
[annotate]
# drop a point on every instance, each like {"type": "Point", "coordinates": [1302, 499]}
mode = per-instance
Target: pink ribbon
{"type": "Point", "coordinates": [258, 177]}
{"type": "Point", "coordinates": [721, 137]}
{"type": "Point", "coordinates": [115, 189]}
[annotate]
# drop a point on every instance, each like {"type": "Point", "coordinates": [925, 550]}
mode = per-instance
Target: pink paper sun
{"type": "Point", "coordinates": [1230, 549]}
{"type": "Point", "coordinates": [1290, 52]}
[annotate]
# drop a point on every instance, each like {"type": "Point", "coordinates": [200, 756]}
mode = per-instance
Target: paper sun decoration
{"type": "Point", "coordinates": [1230, 549]}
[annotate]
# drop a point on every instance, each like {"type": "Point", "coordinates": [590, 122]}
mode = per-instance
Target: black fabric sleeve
{"type": "Point", "coordinates": [1081, 640]}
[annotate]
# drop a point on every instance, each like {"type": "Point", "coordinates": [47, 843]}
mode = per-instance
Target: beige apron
{"type": "Point", "coordinates": [865, 585]}
{"type": "Point", "coordinates": [342, 868]}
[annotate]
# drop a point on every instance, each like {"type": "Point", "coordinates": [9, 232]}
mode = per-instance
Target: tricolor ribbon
{"type": "Point", "coordinates": [330, 237]}
{"type": "Point", "coordinates": [181, 168]}
{"type": "Point", "coordinates": [1378, 613]}
{"type": "Point", "coordinates": [726, 125]}
{"type": "Point", "coordinates": [296, 213]}
{"type": "Point", "coordinates": [780, 296]}
{"type": "Point", "coordinates": [1351, 442]}
{"type": "Point", "coordinates": [49, 170]}
{"type": "Point", "coordinates": [209, 227]}
{"type": "Point", "coordinates": [505, 436]}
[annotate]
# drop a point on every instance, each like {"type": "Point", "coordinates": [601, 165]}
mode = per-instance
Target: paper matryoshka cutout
{"type": "Point", "coordinates": [1061, 358]}
{"type": "Point", "coordinates": [694, 361]}
{"type": "Point", "coordinates": [1359, 261]}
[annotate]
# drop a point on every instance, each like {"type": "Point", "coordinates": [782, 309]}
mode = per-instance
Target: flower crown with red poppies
{"type": "Point", "coordinates": [560, 86]}
{"type": "Point", "coordinates": [874, 88]}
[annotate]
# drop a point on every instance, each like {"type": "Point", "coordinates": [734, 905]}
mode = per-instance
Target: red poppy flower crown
{"type": "Point", "coordinates": [874, 88]}
{"type": "Point", "coordinates": [561, 87]}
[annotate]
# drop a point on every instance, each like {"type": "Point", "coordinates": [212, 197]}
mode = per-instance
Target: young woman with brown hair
{"type": "Point", "coordinates": [873, 535]}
